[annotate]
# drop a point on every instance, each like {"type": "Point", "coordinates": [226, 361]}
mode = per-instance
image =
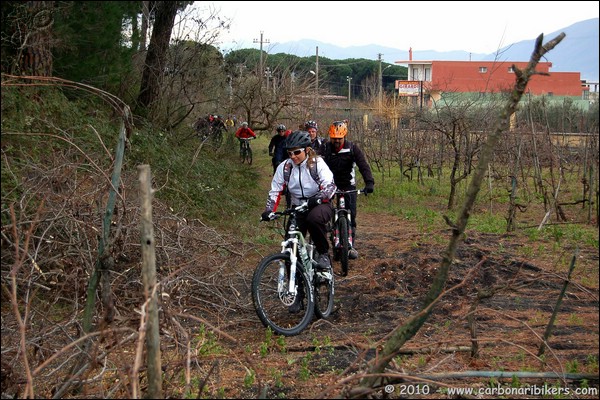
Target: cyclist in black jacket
{"type": "Point", "coordinates": [342, 156]}
{"type": "Point", "coordinates": [277, 147]}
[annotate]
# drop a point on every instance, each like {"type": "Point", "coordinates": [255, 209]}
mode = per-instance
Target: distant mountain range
{"type": "Point", "coordinates": [578, 52]}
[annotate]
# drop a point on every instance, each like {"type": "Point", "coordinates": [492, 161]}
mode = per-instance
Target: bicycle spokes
{"type": "Point", "coordinates": [277, 306]}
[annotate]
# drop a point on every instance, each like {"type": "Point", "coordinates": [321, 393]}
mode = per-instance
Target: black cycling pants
{"type": "Point", "coordinates": [315, 221]}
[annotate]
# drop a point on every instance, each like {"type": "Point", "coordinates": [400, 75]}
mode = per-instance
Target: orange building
{"type": "Point", "coordinates": [431, 79]}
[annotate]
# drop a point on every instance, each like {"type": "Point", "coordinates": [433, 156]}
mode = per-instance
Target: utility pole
{"type": "Point", "coordinates": [349, 79]}
{"type": "Point", "coordinates": [261, 41]}
{"type": "Point", "coordinates": [316, 84]}
{"type": "Point", "coordinates": [421, 93]}
{"type": "Point", "coordinates": [380, 88]}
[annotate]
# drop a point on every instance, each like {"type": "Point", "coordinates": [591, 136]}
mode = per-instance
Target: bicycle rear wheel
{"type": "Point", "coordinates": [272, 300]}
{"type": "Point", "coordinates": [344, 244]}
{"type": "Point", "coordinates": [324, 291]}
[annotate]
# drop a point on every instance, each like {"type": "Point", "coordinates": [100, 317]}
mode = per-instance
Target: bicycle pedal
{"type": "Point", "coordinates": [324, 276]}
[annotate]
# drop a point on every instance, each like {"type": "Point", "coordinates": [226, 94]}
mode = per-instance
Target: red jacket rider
{"type": "Point", "coordinates": [244, 132]}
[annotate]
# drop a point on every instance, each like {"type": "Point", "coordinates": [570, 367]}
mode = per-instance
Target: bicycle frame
{"type": "Point", "coordinates": [295, 240]}
{"type": "Point", "coordinates": [291, 246]}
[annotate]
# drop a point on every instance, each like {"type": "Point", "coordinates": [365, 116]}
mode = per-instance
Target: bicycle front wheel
{"type": "Point", "coordinates": [324, 290]}
{"type": "Point", "coordinates": [283, 312]}
{"type": "Point", "coordinates": [249, 155]}
{"type": "Point", "coordinates": [344, 244]}
{"type": "Point", "coordinates": [217, 139]}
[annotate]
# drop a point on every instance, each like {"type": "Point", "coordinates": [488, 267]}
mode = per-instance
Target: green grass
{"type": "Point", "coordinates": [426, 203]}
{"type": "Point", "coordinates": [488, 223]}
{"type": "Point", "coordinates": [213, 185]}
{"type": "Point", "coordinates": [206, 343]}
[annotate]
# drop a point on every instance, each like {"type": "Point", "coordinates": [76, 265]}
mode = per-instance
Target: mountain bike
{"type": "Point", "coordinates": [217, 135]}
{"type": "Point", "coordinates": [246, 151]}
{"type": "Point", "coordinates": [292, 278]}
{"type": "Point", "coordinates": [341, 229]}
{"type": "Point", "coordinates": [211, 133]}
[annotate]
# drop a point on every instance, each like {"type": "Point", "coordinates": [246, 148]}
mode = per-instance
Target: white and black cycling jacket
{"type": "Point", "coordinates": [303, 183]}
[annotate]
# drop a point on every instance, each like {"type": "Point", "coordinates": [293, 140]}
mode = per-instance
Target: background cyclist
{"type": "Point", "coordinates": [277, 147]}
{"type": "Point", "coordinates": [316, 141]}
{"type": "Point", "coordinates": [342, 156]}
{"type": "Point", "coordinates": [244, 132]}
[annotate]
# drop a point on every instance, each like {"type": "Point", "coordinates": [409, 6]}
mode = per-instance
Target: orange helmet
{"type": "Point", "coordinates": [338, 130]}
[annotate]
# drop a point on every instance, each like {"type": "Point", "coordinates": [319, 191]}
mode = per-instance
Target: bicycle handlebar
{"type": "Point", "coordinates": [357, 191]}
{"type": "Point", "coordinates": [292, 210]}
{"type": "Point", "coordinates": [289, 211]}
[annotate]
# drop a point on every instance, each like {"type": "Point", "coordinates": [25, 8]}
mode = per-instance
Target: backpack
{"type": "Point", "coordinates": [287, 170]}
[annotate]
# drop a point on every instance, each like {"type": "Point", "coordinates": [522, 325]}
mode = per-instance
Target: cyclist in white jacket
{"type": "Point", "coordinates": [306, 177]}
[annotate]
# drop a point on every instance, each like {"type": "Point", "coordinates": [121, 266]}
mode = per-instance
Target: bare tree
{"type": "Point", "coordinates": [30, 36]}
{"type": "Point", "coordinates": [457, 123]}
{"type": "Point", "coordinates": [279, 96]}
{"type": "Point", "coordinates": [145, 20]}
{"type": "Point", "coordinates": [157, 52]}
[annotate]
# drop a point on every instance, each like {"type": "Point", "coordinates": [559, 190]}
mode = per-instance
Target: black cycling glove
{"type": "Point", "coordinates": [313, 202]}
{"type": "Point", "coordinates": [265, 216]}
{"type": "Point", "coordinates": [369, 189]}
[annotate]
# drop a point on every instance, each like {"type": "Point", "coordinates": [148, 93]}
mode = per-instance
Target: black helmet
{"type": "Point", "coordinates": [281, 127]}
{"type": "Point", "coordinates": [311, 124]}
{"type": "Point", "coordinates": [297, 139]}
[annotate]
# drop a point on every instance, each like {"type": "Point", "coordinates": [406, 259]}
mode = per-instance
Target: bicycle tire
{"type": "Point", "coordinates": [217, 139]}
{"type": "Point", "coordinates": [273, 309]}
{"type": "Point", "coordinates": [324, 291]}
{"type": "Point", "coordinates": [344, 243]}
{"type": "Point", "coordinates": [242, 154]}
{"type": "Point", "coordinates": [249, 154]}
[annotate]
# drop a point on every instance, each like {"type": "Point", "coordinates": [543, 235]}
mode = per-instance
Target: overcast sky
{"type": "Point", "coordinates": [474, 26]}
